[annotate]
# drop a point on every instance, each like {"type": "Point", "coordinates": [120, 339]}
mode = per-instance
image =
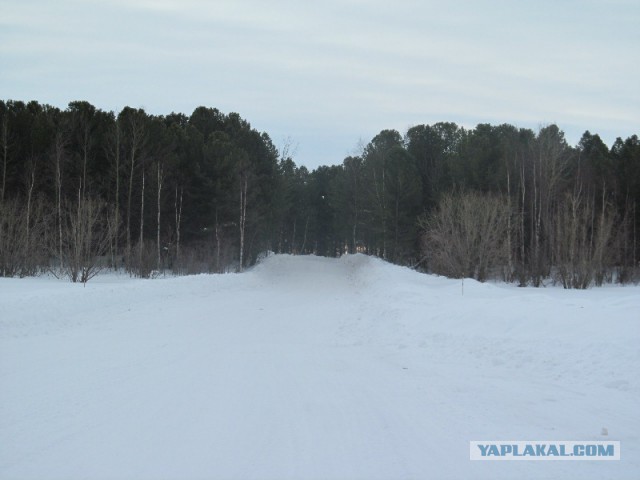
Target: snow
{"type": "Point", "coordinates": [308, 367]}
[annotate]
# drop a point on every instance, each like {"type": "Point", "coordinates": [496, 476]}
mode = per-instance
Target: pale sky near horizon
{"type": "Point", "coordinates": [324, 77]}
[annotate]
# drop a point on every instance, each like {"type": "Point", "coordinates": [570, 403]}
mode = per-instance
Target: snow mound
{"type": "Point", "coordinates": [308, 271]}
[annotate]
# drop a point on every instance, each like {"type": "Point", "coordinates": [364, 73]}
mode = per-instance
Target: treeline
{"type": "Point", "coordinates": [82, 189]}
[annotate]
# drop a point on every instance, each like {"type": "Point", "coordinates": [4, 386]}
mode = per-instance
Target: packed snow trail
{"type": "Point", "coordinates": [308, 367]}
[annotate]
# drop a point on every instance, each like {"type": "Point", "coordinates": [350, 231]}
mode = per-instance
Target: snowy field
{"type": "Point", "coordinates": [311, 368]}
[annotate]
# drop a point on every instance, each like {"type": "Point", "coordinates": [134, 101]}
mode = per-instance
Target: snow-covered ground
{"type": "Point", "coordinates": [309, 367]}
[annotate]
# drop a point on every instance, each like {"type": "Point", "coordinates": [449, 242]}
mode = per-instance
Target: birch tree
{"type": "Point", "coordinates": [136, 139]}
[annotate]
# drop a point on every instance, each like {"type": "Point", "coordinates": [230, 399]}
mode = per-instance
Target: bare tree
{"type": "Point", "coordinates": [23, 237]}
{"type": "Point", "coordinates": [114, 150]}
{"type": "Point", "coordinates": [218, 241]}
{"type": "Point", "coordinates": [244, 176]}
{"type": "Point", "coordinates": [141, 239]}
{"type": "Point", "coordinates": [86, 144]}
{"type": "Point", "coordinates": [465, 236]}
{"type": "Point", "coordinates": [29, 243]}
{"type": "Point", "coordinates": [137, 138]}
{"type": "Point", "coordinates": [380, 195]}
{"type": "Point", "coordinates": [12, 237]}
{"type": "Point", "coordinates": [550, 163]}
{"type": "Point", "coordinates": [160, 181]}
{"type": "Point", "coordinates": [522, 224]}
{"type": "Point", "coordinates": [509, 272]}
{"type": "Point", "coordinates": [88, 232]}
{"type": "Point", "coordinates": [178, 215]}
{"type": "Point", "coordinates": [4, 210]}
{"type": "Point", "coordinates": [244, 182]}
{"type": "Point", "coordinates": [353, 170]}
{"type": "Point", "coordinates": [60, 154]}
{"type": "Point", "coordinates": [583, 248]}
{"type": "Point", "coordinates": [4, 139]}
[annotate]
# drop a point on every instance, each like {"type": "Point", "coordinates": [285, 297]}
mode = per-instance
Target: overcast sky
{"type": "Point", "coordinates": [327, 75]}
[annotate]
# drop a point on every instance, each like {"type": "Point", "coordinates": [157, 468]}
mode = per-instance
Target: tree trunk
{"type": "Point", "coordinates": [141, 240]}
{"type": "Point", "coordinates": [293, 237]}
{"type": "Point", "coordinates": [380, 196]}
{"type": "Point", "coordinates": [243, 215]}
{"type": "Point", "coordinates": [522, 226]}
{"type": "Point", "coordinates": [635, 230]}
{"type": "Point", "coordinates": [396, 227]}
{"type": "Point", "coordinates": [59, 153]}
{"type": "Point", "coordinates": [137, 132]}
{"type": "Point", "coordinates": [5, 155]}
{"type": "Point", "coordinates": [117, 199]}
{"type": "Point", "coordinates": [86, 145]}
{"type": "Point", "coordinates": [354, 245]}
{"type": "Point", "coordinates": [32, 181]}
{"type": "Point", "coordinates": [160, 180]}
{"type": "Point", "coordinates": [178, 210]}
{"type": "Point", "coordinates": [510, 253]}
{"type": "Point", "coordinates": [217, 243]}
{"type": "Point", "coordinates": [384, 213]}
{"type": "Point", "coordinates": [133, 159]}
{"type": "Point", "coordinates": [304, 239]}
{"type": "Point", "coordinates": [635, 236]}
{"type": "Point", "coordinates": [535, 230]}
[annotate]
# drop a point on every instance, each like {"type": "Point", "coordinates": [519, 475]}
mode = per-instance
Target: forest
{"type": "Point", "coordinates": [84, 189]}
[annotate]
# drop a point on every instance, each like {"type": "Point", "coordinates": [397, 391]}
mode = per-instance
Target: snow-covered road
{"type": "Point", "coordinates": [308, 367]}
